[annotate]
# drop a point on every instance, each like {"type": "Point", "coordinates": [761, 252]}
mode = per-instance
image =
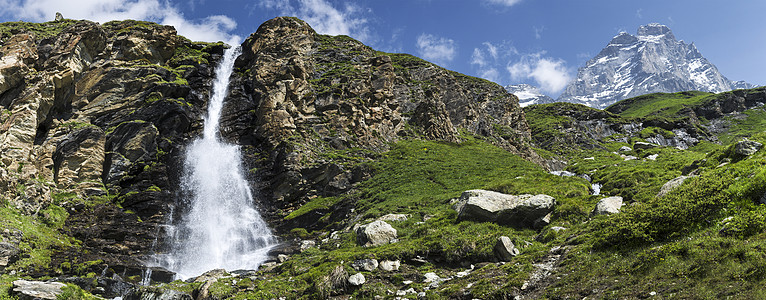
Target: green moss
{"type": "Point", "coordinates": [40, 235]}
{"type": "Point", "coordinates": [659, 105]}
{"type": "Point", "coordinates": [315, 204]}
{"type": "Point", "coordinates": [74, 292]}
{"type": "Point", "coordinates": [40, 30]}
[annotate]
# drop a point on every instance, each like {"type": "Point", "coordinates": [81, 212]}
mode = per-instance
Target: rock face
{"type": "Point", "coordinates": [651, 61]}
{"type": "Point", "coordinates": [375, 234]}
{"type": "Point", "coordinates": [99, 113]}
{"type": "Point", "coordinates": [301, 94]}
{"type": "Point", "coordinates": [514, 210]}
{"type": "Point", "coordinates": [608, 206]}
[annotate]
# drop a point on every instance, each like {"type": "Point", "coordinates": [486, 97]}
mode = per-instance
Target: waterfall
{"type": "Point", "coordinates": [219, 227]}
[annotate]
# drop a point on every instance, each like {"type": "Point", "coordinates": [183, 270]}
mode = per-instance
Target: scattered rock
{"type": "Point", "coordinates": [37, 289]}
{"type": "Point", "coordinates": [747, 147]}
{"type": "Point", "coordinates": [653, 157]}
{"type": "Point", "coordinates": [504, 249]}
{"type": "Point", "coordinates": [644, 146]}
{"type": "Point", "coordinates": [282, 258]}
{"type": "Point", "coordinates": [671, 185]}
{"type": "Point", "coordinates": [563, 173]}
{"type": "Point", "coordinates": [517, 211]}
{"type": "Point", "coordinates": [375, 234]}
{"type": "Point", "coordinates": [390, 265]}
{"type": "Point", "coordinates": [625, 149]}
{"type": "Point", "coordinates": [431, 277]}
{"type": "Point", "coordinates": [356, 279]}
{"type": "Point", "coordinates": [394, 218]}
{"type": "Point", "coordinates": [305, 245]}
{"type": "Point", "coordinates": [607, 206]}
{"type": "Point", "coordinates": [368, 265]}
{"type": "Point", "coordinates": [628, 157]}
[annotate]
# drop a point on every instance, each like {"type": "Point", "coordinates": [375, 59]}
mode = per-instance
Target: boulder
{"type": "Point", "coordinates": [390, 265]}
{"type": "Point", "coordinates": [375, 234]}
{"type": "Point", "coordinates": [504, 249]}
{"type": "Point", "coordinates": [356, 279]}
{"type": "Point", "coordinates": [747, 147]}
{"type": "Point", "coordinates": [514, 210]}
{"type": "Point", "coordinates": [625, 149]}
{"type": "Point", "coordinates": [368, 265]}
{"type": "Point", "coordinates": [644, 146]}
{"type": "Point", "coordinates": [608, 206]}
{"type": "Point", "coordinates": [37, 289]}
{"type": "Point", "coordinates": [671, 185]}
{"type": "Point", "coordinates": [394, 218]}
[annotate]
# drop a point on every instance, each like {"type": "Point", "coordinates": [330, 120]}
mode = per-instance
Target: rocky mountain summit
{"type": "Point", "coordinates": [651, 61]}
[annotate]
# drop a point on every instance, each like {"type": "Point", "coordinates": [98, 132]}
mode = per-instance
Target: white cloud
{"type": "Point", "coordinates": [508, 3]}
{"type": "Point", "coordinates": [487, 59]}
{"type": "Point", "coordinates": [437, 49]}
{"type": "Point", "coordinates": [212, 28]}
{"type": "Point", "coordinates": [539, 32]}
{"type": "Point", "coordinates": [639, 13]}
{"type": "Point", "coordinates": [324, 17]}
{"type": "Point", "coordinates": [492, 49]}
{"type": "Point", "coordinates": [477, 58]}
{"type": "Point", "coordinates": [550, 74]}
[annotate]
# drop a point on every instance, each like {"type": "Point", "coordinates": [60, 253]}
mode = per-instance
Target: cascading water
{"type": "Point", "coordinates": [221, 227]}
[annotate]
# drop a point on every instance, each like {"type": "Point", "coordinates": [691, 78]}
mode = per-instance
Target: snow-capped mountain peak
{"type": "Point", "coordinates": [651, 61]}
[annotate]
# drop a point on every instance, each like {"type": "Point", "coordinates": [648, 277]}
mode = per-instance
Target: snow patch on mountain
{"type": "Point", "coordinates": [528, 94]}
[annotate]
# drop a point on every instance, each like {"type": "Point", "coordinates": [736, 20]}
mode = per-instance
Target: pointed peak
{"type": "Point", "coordinates": [654, 29]}
{"type": "Point", "coordinates": [623, 38]}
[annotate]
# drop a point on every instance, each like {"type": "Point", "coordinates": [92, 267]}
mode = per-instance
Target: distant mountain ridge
{"type": "Point", "coordinates": [528, 94]}
{"type": "Point", "coordinates": [651, 61]}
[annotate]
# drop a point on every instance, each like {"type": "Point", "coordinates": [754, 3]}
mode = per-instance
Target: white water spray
{"type": "Point", "coordinates": [221, 227]}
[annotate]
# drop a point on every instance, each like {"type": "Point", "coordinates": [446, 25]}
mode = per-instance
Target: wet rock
{"type": "Point", "coordinates": [514, 210]}
{"type": "Point", "coordinates": [607, 206]}
{"type": "Point", "coordinates": [368, 265]}
{"type": "Point", "coordinates": [356, 279]}
{"type": "Point", "coordinates": [375, 234]}
{"type": "Point", "coordinates": [747, 147]}
{"type": "Point", "coordinates": [390, 265]}
{"type": "Point", "coordinates": [26, 289]}
{"type": "Point", "coordinates": [150, 293]}
{"type": "Point", "coordinates": [504, 249]}
{"type": "Point", "coordinates": [212, 275]}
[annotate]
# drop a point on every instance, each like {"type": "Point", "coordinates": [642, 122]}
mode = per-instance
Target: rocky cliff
{"type": "Point", "coordinates": [95, 119]}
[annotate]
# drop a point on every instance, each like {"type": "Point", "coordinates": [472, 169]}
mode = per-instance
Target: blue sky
{"type": "Point", "coordinates": [541, 42]}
